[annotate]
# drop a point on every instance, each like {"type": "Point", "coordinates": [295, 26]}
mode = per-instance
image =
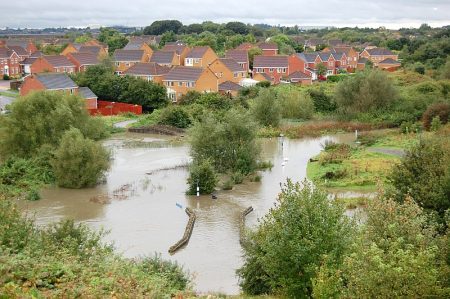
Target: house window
{"type": "Point", "coordinates": [127, 64]}
{"type": "Point", "coordinates": [71, 91]}
{"type": "Point", "coordinates": [271, 70]}
{"type": "Point", "coordinates": [149, 78]}
{"type": "Point", "coordinates": [284, 70]}
{"type": "Point", "coordinates": [197, 60]}
{"type": "Point", "coordinates": [235, 75]}
{"type": "Point", "coordinates": [190, 84]}
{"type": "Point", "coordinates": [117, 63]}
{"type": "Point", "coordinates": [172, 97]}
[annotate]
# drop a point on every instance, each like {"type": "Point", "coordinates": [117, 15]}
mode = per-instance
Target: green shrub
{"type": "Point", "coordinates": [33, 195]}
{"type": "Point", "coordinates": [322, 102]}
{"type": "Point", "coordinates": [203, 175]}
{"type": "Point", "coordinates": [337, 78]}
{"type": "Point", "coordinates": [79, 162]}
{"type": "Point", "coordinates": [282, 256]}
{"type": "Point", "coordinates": [175, 116]}
{"type": "Point", "coordinates": [435, 124]}
{"type": "Point", "coordinates": [238, 178]}
{"type": "Point", "coordinates": [48, 116]}
{"type": "Point", "coordinates": [266, 109]}
{"type": "Point", "coordinates": [228, 184]}
{"type": "Point", "coordinates": [296, 104]}
{"type": "Point", "coordinates": [263, 84]}
{"type": "Point", "coordinates": [441, 110]}
{"type": "Point", "coordinates": [6, 77]}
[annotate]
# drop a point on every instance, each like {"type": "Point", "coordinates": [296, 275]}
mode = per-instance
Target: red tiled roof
{"type": "Point", "coordinates": [228, 85]}
{"type": "Point", "coordinates": [91, 49]}
{"type": "Point", "coordinates": [19, 50]}
{"type": "Point", "coordinates": [299, 76]}
{"type": "Point", "coordinates": [268, 46]}
{"type": "Point", "coordinates": [389, 61]}
{"type": "Point", "coordinates": [197, 52]}
{"type": "Point", "coordinates": [178, 48]}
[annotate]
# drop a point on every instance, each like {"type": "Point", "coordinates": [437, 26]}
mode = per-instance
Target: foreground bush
{"type": "Point", "coordinates": [79, 162]}
{"type": "Point", "coordinates": [67, 260]}
{"type": "Point", "coordinates": [424, 174]}
{"type": "Point", "coordinates": [282, 256]}
{"type": "Point", "coordinates": [266, 109]}
{"type": "Point", "coordinates": [396, 253]}
{"type": "Point", "coordinates": [41, 118]}
{"type": "Point", "coordinates": [441, 110]}
{"type": "Point", "coordinates": [175, 116]}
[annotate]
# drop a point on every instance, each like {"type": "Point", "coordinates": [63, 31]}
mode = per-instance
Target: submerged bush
{"type": "Point", "coordinates": [296, 104]}
{"type": "Point", "coordinates": [79, 162]}
{"type": "Point", "coordinates": [203, 175]}
{"type": "Point", "coordinates": [266, 109]}
{"type": "Point", "coordinates": [441, 110]}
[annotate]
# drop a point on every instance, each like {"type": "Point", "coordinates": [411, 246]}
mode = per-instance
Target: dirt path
{"type": "Point", "coordinates": [124, 124]}
{"type": "Point", "coordinates": [388, 151]}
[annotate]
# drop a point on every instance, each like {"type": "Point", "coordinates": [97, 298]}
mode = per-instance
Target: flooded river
{"type": "Point", "coordinates": [139, 204]}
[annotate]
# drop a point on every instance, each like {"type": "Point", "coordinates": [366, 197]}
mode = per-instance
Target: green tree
{"type": "Point", "coordinates": [321, 69]}
{"type": "Point", "coordinates": [228, 142]}
{"type": "Point", "coordinates": [395, 254]}
{"type": "Point", "coordinates": [147, 94]}
{"type": "Point", "coordinates": [162, 26]}
{"type": "Point", "coordinates": [203, 175]}
{"type": "Point", "coordinates": [79, 162]}
{"type": "Point", "coordinates": [266, 108]}
{"type": "Point", "coordinates": [296, 104]}
{"type": "Point", "coordinates": [252, 53]}
{"type": "Point", "coordinates": [365, 92]}
{"type": "Point", "coordinates": [176, 116]}
{"type": "Point", "coordinates": [292, 241]}
{"type": "Point", "coordinates": [41, 118]}
{"type": "Point", "coordinates": [424, 175]}
{"type": "Point", "coordinates": [113, 38]}
{"type": "Point", "coordinates": [237, 27]}
{"type": "Point", "coordinates": [167, 37]}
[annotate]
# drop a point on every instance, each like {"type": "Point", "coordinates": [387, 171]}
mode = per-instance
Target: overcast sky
{"type": "Point", "coordinates": [81, 13]}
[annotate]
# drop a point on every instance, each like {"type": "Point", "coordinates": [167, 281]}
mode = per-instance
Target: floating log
{"type": "Point", "coordinates": [187, 232]}
{"type": "Point", "coordinates": [242, 224]}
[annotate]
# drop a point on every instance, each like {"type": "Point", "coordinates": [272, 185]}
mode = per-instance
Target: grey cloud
{"type": "Point", "coordinates": [391, 13]}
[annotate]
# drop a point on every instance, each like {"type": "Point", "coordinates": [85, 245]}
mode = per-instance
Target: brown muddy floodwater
{"type": "Point", "coordinates": [138, 204]}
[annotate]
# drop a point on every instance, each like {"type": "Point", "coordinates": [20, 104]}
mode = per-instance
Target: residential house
{"type": "Point", "coordinates": [52, 64]}
{"type": "Point", "coordinates": [139, 45]}
{"type": "Point", "coordinates": [25, 65]}
{"type": "Point", "coordinates": [312, 61]}
{"type": "Point", "coordinates": [227, 69]}
{"type": "Point", "coordinates": [245, 47]}
{"type": "Point", "coordinates": [152, 40]}
{"type": "Point", "coordinates": [90, 46]}
{"type": "Point", "coordinates": [389, 64]}
{"type": "Point", "coordinates": [28, 45]}
{"type": "Point", "coordinates": [362, 62]}
{"type": "Point", "coordinates": [335, 42]}
{"type": "Point", "coordinates": [57, 82]}
{"type": "Point", "coordinates": [124, 59]}
{"type": "Point", "coordinates": [148, 71]}
{"type": "Point", "coordinates": [20, 51]}
{"type": "Point", "coordinates": [182, 79]}
{"type": "Point", "coordinates": [229, 88]}
{"type": "Point", "coordinates": [200, 57]}
{"type": "Point", "coordinates": [166, 58]}
{"type": "Point", "coordinates": [83, 60]}
{"type": "Point", "coordinates": [71, 48]}
{"type": "Point", "coordinates": [269, 49]}
{"type": "Point", "coordinates": [314, 42]}
{"type": "Point", "coordinates": [277, 67]}
{"type": "Point", "coordinates": [97, 50]}
{"type": "Point", "coordinates": [300, 78]}
{"type": "Point", "coordinates": [9, 63]}
{"type": "Point", "coordinates": [263, 77]}
{"type": "Point", "coordinates": [376, 55]}
{"type": "Point", "coordinates": [341, 62]}
{"type": "Point", "coordinates": [241, 57]}
{"type": "Point", "coordinates": [351, 54]}
{"type": "Point", "coordinates": [179, 48]}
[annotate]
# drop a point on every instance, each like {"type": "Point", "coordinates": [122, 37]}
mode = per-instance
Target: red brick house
{"type": "Point", "coordinates": [83, 60]}
{"type": "Point", "coordinates": [241, 57]}
{"type": "Point", "coordinates": [148, 71]}
{"type": "Point", "coordinates": [28, 45]}
{"type": "Point", "coordinates": [269, 49]}
{"type": "Point", "coordinates": [351, 54]}
{"type": "Point", "coordinates": [59, 83]}
{"type": "Point", "coordinates": [389, 65]}
{"type": "Point", "coordinates": [9, 63]}
{"type": "Point", "coordinates": [52, 64]}
{"type": "Point", "coordinates": [274, 66]}
{"type": "Point", "coordinates": [376, 55]}
{"type": "Point", "coordinates": [300, 78]}
{"type": "Point", "coordinates": [312, 61]}
{"type": "Point", "coordinates": [23, 54]}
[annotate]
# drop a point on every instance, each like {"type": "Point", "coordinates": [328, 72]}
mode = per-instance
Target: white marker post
{"type": "Point", "coordinates": [356, 134]}
{"type": "Point", "coordinates": [198, 190]}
